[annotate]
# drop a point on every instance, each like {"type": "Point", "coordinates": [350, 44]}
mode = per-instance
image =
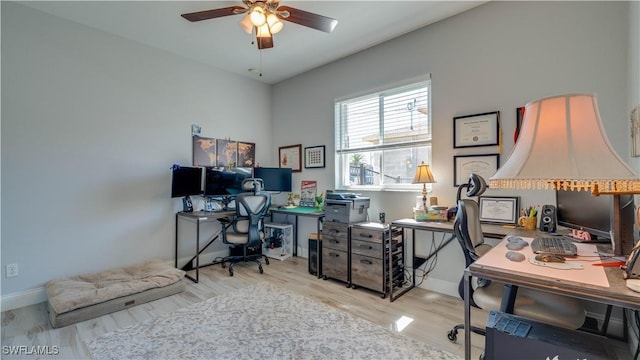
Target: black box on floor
{"type": "Point", "coordinates": [315, 254]}
{"type": "Point", "coordinates": [512, 337]}
{"type": "Point", "coordinates": [237, 250]}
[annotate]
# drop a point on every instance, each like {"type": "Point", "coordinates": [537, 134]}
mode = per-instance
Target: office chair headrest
{"type": "Point", "coordinates": [252, 184]}
{"type": "Point", "coordinates": [476, 186]}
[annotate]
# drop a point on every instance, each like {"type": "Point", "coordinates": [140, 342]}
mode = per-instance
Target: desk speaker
{"type": "Point", "coordinates": [315, 254]}
{"type": "Point", "coordinates": [549, 218]}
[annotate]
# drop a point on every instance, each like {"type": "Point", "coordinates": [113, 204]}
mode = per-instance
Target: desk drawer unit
{"type": "Point", "coordinates": [335, 251]}
{"type": "Point", "coordinates": [376, 253]}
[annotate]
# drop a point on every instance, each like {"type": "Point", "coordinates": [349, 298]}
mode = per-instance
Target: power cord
{"type": "Point", "coordinates": [430, 265]}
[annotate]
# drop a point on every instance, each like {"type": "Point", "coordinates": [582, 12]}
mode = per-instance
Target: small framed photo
{"type": "Point", "coordinates": [499, 209]}
{"type": "Point", "coordinates": [291, 157]}
{"type": "Point", "coordinates": [483, 165]}
{"type": "Point", "coordinates": [476, 130]}
{"type": "Point", "coordinates": [314, 157]}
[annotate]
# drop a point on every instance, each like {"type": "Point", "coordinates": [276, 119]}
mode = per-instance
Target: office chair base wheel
{"type": "Point", "coordinates": [452, 335]}
{"type": "Point", "coordinates": [266, 260]}
{"type": "Point", "coordinates": [260, 269]}
{"type": "Point", "coordinates": [230, 272]}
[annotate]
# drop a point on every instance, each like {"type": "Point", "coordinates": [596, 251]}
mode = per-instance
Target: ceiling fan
{"type": "Point", "coordinates": [264, 17]}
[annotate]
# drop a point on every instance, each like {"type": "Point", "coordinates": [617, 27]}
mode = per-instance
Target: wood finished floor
{"type": "Point", "coordinates": [433, 314]}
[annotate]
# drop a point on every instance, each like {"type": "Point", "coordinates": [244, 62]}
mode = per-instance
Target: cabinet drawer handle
{"type": "Point", "coordinates": [334, 241]}
{"type": "Point", "coordinates": [366, 235]}
{"type": "Point", "coordinates": [334, 231]}
{"type": "Point", "coordinates": [366, 246]}
{"type": "Point", "coordinates": [334, 254]}
{"type": "Point", "coordinates": [365, 261]}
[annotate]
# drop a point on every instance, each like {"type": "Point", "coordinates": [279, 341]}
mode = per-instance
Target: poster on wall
{"type": "Point", "coordinates": [204, 151]}
{"type": "Point", "coordinates": [227, 152]}
{"type": "Point", "coordinates": [246, 154]}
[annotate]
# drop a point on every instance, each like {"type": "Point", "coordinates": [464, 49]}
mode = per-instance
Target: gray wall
{"type": "Point", "coordinates": [91, 124]}
{"type": "Point", "coordinates": [497, 56]}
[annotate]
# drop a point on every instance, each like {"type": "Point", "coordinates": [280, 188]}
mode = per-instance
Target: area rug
{"type": "Point", "coordinates": [261, 321]}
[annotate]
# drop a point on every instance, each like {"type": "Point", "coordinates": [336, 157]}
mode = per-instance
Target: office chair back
{"type": "Point", "coordinates": [251, 208]}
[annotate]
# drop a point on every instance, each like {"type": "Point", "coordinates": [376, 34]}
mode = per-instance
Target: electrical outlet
{"type": "Point", "coordinates": [12, 270]}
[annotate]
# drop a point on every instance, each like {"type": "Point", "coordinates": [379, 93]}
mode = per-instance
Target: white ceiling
{"type": "Point", "coordinates": [223, 44]}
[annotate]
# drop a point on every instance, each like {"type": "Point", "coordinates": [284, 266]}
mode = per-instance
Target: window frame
{"type": "Point", "coordinates": [340, 129]}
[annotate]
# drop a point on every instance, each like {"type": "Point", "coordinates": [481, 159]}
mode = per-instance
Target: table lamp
{"type": "Point", "coordinates": [562, 145]}
{"type": "Point", "coordinates": [424, 176]}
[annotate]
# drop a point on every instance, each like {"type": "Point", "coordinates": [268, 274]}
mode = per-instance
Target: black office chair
{"type": "Point", "coordinates": [245, 231]}
{"type": "Point", "coordinates": [544, 307]}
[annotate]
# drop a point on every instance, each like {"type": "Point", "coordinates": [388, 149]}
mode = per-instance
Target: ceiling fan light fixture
{"type": "Point", "coordinates": [258, 16]}
{"type": "Point", "coordinates": [246, 24]}
{"type": "Point", "coordinates": [275, 25]}
{"type": "Point", "coordinates": [263, 31]}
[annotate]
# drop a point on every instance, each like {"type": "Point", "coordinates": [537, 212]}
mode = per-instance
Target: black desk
{"type": "Point", "coordinates": [198, 217]}
{"type": "Point", "coordinates": [299, 211]}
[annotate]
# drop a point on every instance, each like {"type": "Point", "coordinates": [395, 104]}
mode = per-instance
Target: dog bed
{"type": "Point", "coordinates": [83, 297]}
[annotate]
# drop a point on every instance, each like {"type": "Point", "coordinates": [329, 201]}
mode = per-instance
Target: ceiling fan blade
{"type": "Point", "coordinates": [264, 42]}
{"type": "Point", "coordinates": [308, 19]}
{"type": "Point", "coordinates": [215, 13]}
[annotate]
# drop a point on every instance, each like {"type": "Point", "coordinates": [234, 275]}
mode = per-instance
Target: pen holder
{"type": "Point", "coordinates": [528, 222]}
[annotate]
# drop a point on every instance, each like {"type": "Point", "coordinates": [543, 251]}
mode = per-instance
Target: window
{"type": "Point", "coordinates": [383, 136]}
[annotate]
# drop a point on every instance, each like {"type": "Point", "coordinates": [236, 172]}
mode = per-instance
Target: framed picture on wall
{"type": "Point", "coordinates": [314, 157]}
{"type": "Point", "coordinates": [227, 152]}
{"type": "Point", "coordinates": [483, 165]}
{"type": "Point", "coordinates": [476, 130]}
{"type": "Point", "coordinates": [204, 151]}
{"type": "Point", "coordinates": [291, 157]}
{"type": "Point", "coordinates": [246, 154]}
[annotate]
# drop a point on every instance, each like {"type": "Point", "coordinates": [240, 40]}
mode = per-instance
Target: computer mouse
{"type": "Point", "coordinates": [516, 243]}
{"type": "Point", "coordinates": [514, 256]}
{"type": "Point", "coordinates": [550, 258]}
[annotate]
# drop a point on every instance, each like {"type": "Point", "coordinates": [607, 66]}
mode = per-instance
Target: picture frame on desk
{"type": "Point", "coordinates": [499, 209]}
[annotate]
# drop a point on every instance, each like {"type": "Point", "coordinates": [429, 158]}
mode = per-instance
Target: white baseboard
{"type": "Point", "coordinates": [23, 298]}
{"type": "Point", "coordinates": [440, 286]}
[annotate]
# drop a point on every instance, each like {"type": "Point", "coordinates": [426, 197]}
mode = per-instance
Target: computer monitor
{"type": "Point", "coordinates": [595, 214]}
{"type": "Point", "coordinates": [186, 181]}
{"type": "Point", "coordinates": [224, 182]}
{"type": "Point", "coordinates": [275, 179]}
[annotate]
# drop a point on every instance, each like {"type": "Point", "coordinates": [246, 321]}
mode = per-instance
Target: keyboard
{"type": "Point", "coordinates": [554, 245]}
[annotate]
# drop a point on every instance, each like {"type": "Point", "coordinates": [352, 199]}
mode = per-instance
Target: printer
{"type": "Point", "coordinates": [345, 207]}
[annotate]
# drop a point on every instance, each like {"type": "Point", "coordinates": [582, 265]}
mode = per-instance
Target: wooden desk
{"type": "Point", "coordinates": [616, 294]}
{"type": "Point", "coordinates": [299, 211]}
{"type": "Point", "coordinates": [198, 217]}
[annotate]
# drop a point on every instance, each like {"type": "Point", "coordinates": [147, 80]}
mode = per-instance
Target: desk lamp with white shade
{"type": "Point", "coordinates": [424, 176]}
{"type": "Point", "coordinates": [562, 145]}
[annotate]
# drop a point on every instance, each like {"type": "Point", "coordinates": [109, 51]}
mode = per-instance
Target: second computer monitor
{"type": "Point", "coordinates": [275, 179]}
